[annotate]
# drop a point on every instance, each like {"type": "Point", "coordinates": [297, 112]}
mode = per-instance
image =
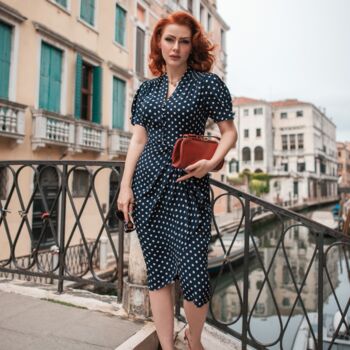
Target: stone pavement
{"type": "Point", "coordinates": [30, 323]}
{"type": "Point", "coordinates": [36, 317]}
{"type": "Point", "coordinates": [39, 318]}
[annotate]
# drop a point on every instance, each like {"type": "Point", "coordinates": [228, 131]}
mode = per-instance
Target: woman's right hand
{"type": "Point", "coordinates": [125, 201]}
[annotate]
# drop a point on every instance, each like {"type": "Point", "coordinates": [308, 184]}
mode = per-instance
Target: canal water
{"type": "Point", "coordinates": [265, 324]}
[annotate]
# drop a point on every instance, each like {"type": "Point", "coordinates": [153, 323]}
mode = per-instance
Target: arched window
{"type": "Point", "coordinates": [233, 166]}
{"type": "Point", "coordinates": [246, 153]}
{"type": "Point", "coordinates": [258, 153]}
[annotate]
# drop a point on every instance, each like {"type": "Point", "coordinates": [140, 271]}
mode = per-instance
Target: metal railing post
{"type": "Point", "coordinates": [120, 260]}
{"type": "Point", "coordinates": [320, 242]}
{"type": "Point", "coordinates": [62, 229]}
{"type": "Point", "coordinates": [247, 233]}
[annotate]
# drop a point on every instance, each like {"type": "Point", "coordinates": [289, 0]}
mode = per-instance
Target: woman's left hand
{"type": "Point", "coordinates": [198, 169]}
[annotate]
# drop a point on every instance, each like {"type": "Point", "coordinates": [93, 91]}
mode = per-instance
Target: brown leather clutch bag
{"type": "Point", "coordinates": [190, 148]}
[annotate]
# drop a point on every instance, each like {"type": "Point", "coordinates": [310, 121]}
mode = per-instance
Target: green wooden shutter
{"type": "Point", "coordinates": [97, 95]}
{"type": "Point", "coordinates": [92, 12]}
{"type": "Point", "coordinates": [50, 78]}
{"type": "Point", "coordinates": [5, 59]}
{"type": "Point", "coordinates": [55, 80]}
{"type": "Point", "coordinates": [63, 3]}
{"type": "Point", "coordinates": [84, 9]}
{"type": "Point", "coordinates": [118, 103]}
{"type": "Point", "coordinates": [78, 82]}
{"type": "Point", "coordinates": [121, 102]}
{"type": "Point", "coordinates": [120, 19]}
{"type": "Point", "coordinates": [44, 76]}
{"type": "Point", "coordinates": [87, 11]}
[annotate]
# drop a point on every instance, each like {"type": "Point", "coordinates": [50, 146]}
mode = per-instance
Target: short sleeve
{"type": "Point", "coordinates": [217, 99]}
{"type": "Point", "coordinates": [137, 107]}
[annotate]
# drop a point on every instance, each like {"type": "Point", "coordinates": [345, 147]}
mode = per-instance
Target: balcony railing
{"type": "Point", "coordinates": [12, 121]}
{"type": "Point", "coordinates": [118, 142]}
{"type": "Point", "coordinates": [52, 128]}
{"type": "Point", "coordinates": [65, 131]}
{"type": "Point", "coordinates": [90, 136]}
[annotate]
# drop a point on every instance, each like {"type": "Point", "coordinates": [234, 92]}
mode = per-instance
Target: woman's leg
{"type": "Point", "coordinates": [196, 317]}
{"type": "Point", "coordinates": [163, 315]}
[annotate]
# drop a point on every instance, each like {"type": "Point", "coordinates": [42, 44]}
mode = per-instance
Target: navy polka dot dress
{"type": "Point", "coordinates": [173, 219]}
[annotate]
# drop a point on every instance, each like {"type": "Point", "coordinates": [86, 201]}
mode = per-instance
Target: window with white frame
{"type": "Point", "coordinates": [140, 52]}
{"type": "Point", "coordinates": [223, 40]}
{"type": "Point", "coordinates": [301, 166]}
{"type": "Point", "coordinates": [258, 153]}
{"type": "Point", "coordinates": [201, 14]}
{"type": "Point", "coordinates": [246, 154]}
{"type": "Point", "coordinates": [209, 22]}
{"type": "Point", "coordinates": [190, 6]}
{"type": "Point", "coordinates": [300, 141]}
{"type": "Point", "coordinates": [292, 144]}
{"type": "Point", "coordinates": [258, 111]}
{"type": "Point", "coordinates": [284, 142]}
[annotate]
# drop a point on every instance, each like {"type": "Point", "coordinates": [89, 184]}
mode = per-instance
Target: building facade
{"type": "Point", "coordinates": [343, 149]}
{"type": "Point", "coordinates": [254, 145]}
{"type": "Point", "coordinates": [305, 155]}
{"type": "Point", "coordinates": [296, 145]}
{"type": "Point", "coordinates": [69, 70]}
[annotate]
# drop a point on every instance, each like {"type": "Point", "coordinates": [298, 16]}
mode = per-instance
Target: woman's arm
{"type": "Point", "coordinates": [228, 140]}
{"type": "Point", "coordinates": [136, 146]}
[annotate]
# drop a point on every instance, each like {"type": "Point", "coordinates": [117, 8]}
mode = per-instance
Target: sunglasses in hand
{"type": "Point", "coordinates": [128, 225]}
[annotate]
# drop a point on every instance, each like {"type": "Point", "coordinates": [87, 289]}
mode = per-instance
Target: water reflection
{"type": "Point", "coordinates": [273, 303]}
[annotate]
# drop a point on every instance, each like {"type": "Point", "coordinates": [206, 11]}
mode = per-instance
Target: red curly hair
{"type": "Point", "coordinates": [201, 57]}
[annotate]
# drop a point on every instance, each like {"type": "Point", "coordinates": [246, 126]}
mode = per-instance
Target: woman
{"type": "Point", "coordinates": [171, 208]}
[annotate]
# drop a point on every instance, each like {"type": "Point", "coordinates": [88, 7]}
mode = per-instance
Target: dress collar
{"type": "Point", "coordinates": [188, 69]}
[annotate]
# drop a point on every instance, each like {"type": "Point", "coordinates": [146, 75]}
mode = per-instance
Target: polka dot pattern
{"type": "Point", "coordinates": [173, 219]}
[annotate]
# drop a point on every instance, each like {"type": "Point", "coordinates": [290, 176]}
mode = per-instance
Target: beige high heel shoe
{"type": "Point", "coordinates": [187, 338]}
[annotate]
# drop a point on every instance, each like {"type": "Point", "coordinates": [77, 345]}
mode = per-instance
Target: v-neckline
{"type": "Point", "coordinates": [166, 98]}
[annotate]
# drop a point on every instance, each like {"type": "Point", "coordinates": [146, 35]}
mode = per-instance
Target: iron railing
{"type": "Point", "coordinates": [56, 203]}
{"type": "Point", "coordinates": [308, 286]}
{"type": "Point", "coordinates": [52, 219]}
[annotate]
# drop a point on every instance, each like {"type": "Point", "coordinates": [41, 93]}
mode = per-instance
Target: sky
{"type": "Point", "coordinates": [279, 49]}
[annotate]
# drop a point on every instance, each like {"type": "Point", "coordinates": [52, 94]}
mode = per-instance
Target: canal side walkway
{"type": "Point", "coordinates": [37, 317]}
